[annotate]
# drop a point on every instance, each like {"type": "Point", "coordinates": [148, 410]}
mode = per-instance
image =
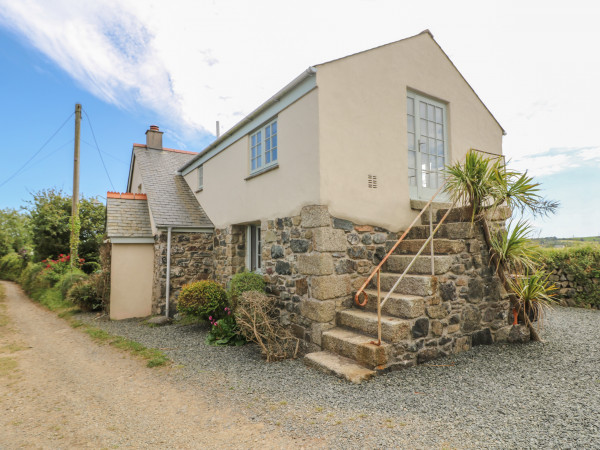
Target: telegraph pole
{"type": "Point", "coordinates": [75, 206]}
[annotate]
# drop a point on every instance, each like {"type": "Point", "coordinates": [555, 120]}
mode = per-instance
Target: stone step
{"type": "Point", "coordinates": [457, 230]}
{"type": "Point", "coordinates": [339, 366]}
{"type": "Point", "coordinates": [421, 285]}
{"type": "Point", "coordinates": [398, 305]}
{"type": "Point", "coordinates": [463, 214]}
{"type": "Point", "coordinates": [440, 247]}
{"type": "Point", "coordinates": [421, 266]}
{"type": "Point", "coordinates": [355, 346]}
{"type": "Point", "coordinates": [393, 329]}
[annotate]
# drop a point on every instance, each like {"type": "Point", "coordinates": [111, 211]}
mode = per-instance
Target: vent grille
{"type": "Point", "coordinates": [372, 181]}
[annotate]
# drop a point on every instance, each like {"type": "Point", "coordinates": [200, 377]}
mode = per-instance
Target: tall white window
{"type": "Point", "coordinates": [427, 144]}
{"type": "Point", "coordinates": [200, 177]}
{"type": "Point", "coordinates": [253, 248]}
{"type": "Point", "coordinates": [263, 147]}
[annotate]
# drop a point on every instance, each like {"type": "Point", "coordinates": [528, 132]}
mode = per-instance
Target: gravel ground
{"type": "Point", "coordinates": [536, 395]}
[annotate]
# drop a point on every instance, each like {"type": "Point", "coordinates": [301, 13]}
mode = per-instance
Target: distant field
{"type": "Point", "coordinates": [552, 242]}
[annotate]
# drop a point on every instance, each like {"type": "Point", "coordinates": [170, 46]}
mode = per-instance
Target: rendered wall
{"type": "Point", "coordinates": [229, 198]}
{"type": "Point", "coordinates": [131, 280]}
{"type": "Point", "coordinates": [362, 127]}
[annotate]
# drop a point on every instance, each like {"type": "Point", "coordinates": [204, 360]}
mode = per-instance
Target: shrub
{"type": "Point", "coordinates": [30, 278]}
{"type": "Point", "coordinates": [244, 282]}
{"type": "Point", "coordinates": [90, 267]}
{"type": "Point", "coordinates": [11, 266]}
{"type": "Point", "coordinates": [202, 299]}
{"type": "Point", "coordinates": [256, 316]}
{"type": "Point", "coordinates": [84, 295]}
{"type": "Point", "coordinates": [69, 279]}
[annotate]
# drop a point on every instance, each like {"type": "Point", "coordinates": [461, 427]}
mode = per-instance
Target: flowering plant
{"type": "Point", "coordinates": [224, 331]}
{"type": "Point", "coordinates": [54, 268]}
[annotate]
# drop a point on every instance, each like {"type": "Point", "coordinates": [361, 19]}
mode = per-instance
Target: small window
{"type": "Point", "coordinates": [264, 147]}
{"type": "Point", "coordinates": [200, 177]}
{"type": "Point", "coordinates": [253, 248]}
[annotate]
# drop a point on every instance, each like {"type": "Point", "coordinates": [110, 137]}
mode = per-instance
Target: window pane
{"type": "Point", "coordinates": [422, 110]}
{"type": "Point", "coordinates": [430, 129]}
{"type": "Point", "coordinates": [440, 148]}
{"type": "Point", "coordinates": [253, 152]}
{"type": "Point", "coordinates": [439, 131]}
{"type": "Point", "coordinates": [268, 145]}
{"type": "Point", "coordinates": [258, 161]}
{"type": "Point", "coordinates": [430, 112]}
{"type": "Point", "coordinates": [438, 115]}
{"type": "Point", "coordinates": [423, 127]}
{"type": "Point", "coordinates": [441, 163]}
{"type": "Point", "coordinates": [431, 146]}
{"type": "Point", "coordinates": [274, 127]}
{"type": "Point", "coordinates": [274, 140]}
{"type": "Point", "coordinates": [412, 177]}
{"type": "Point", "coordinates": [412, 160]}
{"type": "Point", "coordinates": [267, 157]}
{"type": "Point", "coordinates": [410, 106]}
{"type": "Point", "coordinates": [253, 140]}
{"type": "Point", "coordinates": [259, 137]}
{"type": "Point", "coordinates": [411, 141]}
{"type": "Point", "coordinates": [274, 154]}
{"type": "Point", "coordinates": [267, 132]}
{"type": "Point", "coordinates": [411, 124]}
{"type": "Point", "coordinates": [424, 161]}
{"type": "Point", "coordinates": [253, 164]}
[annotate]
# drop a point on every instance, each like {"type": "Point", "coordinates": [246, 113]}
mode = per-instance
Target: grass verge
{"type": "Point", "coordinates": [53, 300]}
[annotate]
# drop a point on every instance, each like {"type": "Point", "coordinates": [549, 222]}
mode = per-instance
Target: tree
{"type": "Point", "coordinates": [14, 231]}
{"type": "Point", "coordinates": [50, 212]}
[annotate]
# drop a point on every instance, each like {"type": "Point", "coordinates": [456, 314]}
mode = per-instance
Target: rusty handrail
{"type": "Point", "coordinates": [385, 258]}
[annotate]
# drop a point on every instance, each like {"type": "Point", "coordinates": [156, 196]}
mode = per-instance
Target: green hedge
{"type": "Point", "coordinates": [11, 266]}
{"type": "Point", "coordinates": [583, 265]}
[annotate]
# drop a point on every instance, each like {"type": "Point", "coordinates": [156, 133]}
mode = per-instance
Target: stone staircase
{"type": "Point", "coordinates": [347, 350]}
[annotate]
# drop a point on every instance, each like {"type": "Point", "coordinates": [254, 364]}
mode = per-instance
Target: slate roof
{"type": "Point", "coordinates": [170, 199]}
{"type": "Point", "coordinates": [127, 218]}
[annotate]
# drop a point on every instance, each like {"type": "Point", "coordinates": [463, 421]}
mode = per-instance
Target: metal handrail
{"type": "Point", "coordinates": [377, 270]}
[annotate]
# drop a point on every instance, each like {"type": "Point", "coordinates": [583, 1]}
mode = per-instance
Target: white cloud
{"type": "Point", "coordinates": [557, 160]}
{"type": "Point", "coordinates": [193, 62]}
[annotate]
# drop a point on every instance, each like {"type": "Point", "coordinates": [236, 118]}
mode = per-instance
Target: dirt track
{"type": "Point", "coordinates": [58, 389]}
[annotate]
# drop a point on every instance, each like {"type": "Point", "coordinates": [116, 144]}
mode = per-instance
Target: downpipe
{"type": "Point", "coordinates": [168, 287]}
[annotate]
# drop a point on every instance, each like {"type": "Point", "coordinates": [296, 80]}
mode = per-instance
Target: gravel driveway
{"type": "Point", "coordinates": [537, 395]}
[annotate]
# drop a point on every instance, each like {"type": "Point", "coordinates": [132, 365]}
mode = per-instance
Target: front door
{"type": "Point", "coordinates": [427, 145]}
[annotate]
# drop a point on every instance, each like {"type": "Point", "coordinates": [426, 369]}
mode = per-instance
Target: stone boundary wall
{"type": "Point", "coordinates": [192, 259]}
{"type": "Point", "coordinates": [568, 288]}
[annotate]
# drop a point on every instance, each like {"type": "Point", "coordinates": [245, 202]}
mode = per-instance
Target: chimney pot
{"type": "Point", "coordinates": [154, 138]}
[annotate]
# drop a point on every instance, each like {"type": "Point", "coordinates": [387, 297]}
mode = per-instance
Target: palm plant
{"type": "Point", "coordinates": [535, 294]}
{"type": "Point", "coordinates": [484, 185]}
{"type": "Point", "coordinates": [514, 249]}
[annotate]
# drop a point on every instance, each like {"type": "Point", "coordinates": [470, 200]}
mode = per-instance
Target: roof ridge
{"type": "Point", "coordinates": [167, 149]}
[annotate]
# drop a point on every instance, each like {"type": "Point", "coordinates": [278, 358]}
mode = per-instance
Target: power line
{"type": "Point", "coordinates": [98, 148]}
{"type": "Point", "coordinates": [106, 153]}
{"type": "Point", "coordinates": [37, 152]}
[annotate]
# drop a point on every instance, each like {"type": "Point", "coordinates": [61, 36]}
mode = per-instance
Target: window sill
{"type": "Point", "coordinates": [261, 171]}
{"type": "Point", "coordinates": [199, 190]}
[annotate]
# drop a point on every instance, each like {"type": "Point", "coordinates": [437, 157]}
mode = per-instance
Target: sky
{"type": "Point", "coordinates": [183, 65]}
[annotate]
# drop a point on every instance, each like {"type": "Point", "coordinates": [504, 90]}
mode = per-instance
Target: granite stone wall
{"type": "Point", "coordinates": [314, 263]}
{"type": "Point", "coordinates": [192, 259]}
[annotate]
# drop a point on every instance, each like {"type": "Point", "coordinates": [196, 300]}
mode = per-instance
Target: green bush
{"type": "Point", "coordinates": [85, 295]}
{"type": "Point", "coordinates": [11, 266]}
{"type": "Point", "coordinates": [69, 279]}
{"type": "Point", "coordinates": [90, 267]}
{"type": "Point", "coordinates": [244, 282]}
{"type": "Point", "coordinates": [202, 299]}
{"type": "Point", "coordinates": [30, 278]}
{"type": "Point", "coordinates": [583, 264]}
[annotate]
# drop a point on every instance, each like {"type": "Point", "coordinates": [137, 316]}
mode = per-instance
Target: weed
{"type": "Point", "coordinates": [7, 366]}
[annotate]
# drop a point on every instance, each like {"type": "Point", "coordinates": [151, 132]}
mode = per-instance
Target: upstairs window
{"type": "Point", "coordinates": [263, 147]}
{"type": "Point", "coordinates": [200, 177]}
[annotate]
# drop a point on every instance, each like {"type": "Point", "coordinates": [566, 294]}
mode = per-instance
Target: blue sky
{"type": "Point", "coordinates": [185, 64]}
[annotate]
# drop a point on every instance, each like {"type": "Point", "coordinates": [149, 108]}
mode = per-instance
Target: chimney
{"type": "Point", "coordinates": [154, 138]}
